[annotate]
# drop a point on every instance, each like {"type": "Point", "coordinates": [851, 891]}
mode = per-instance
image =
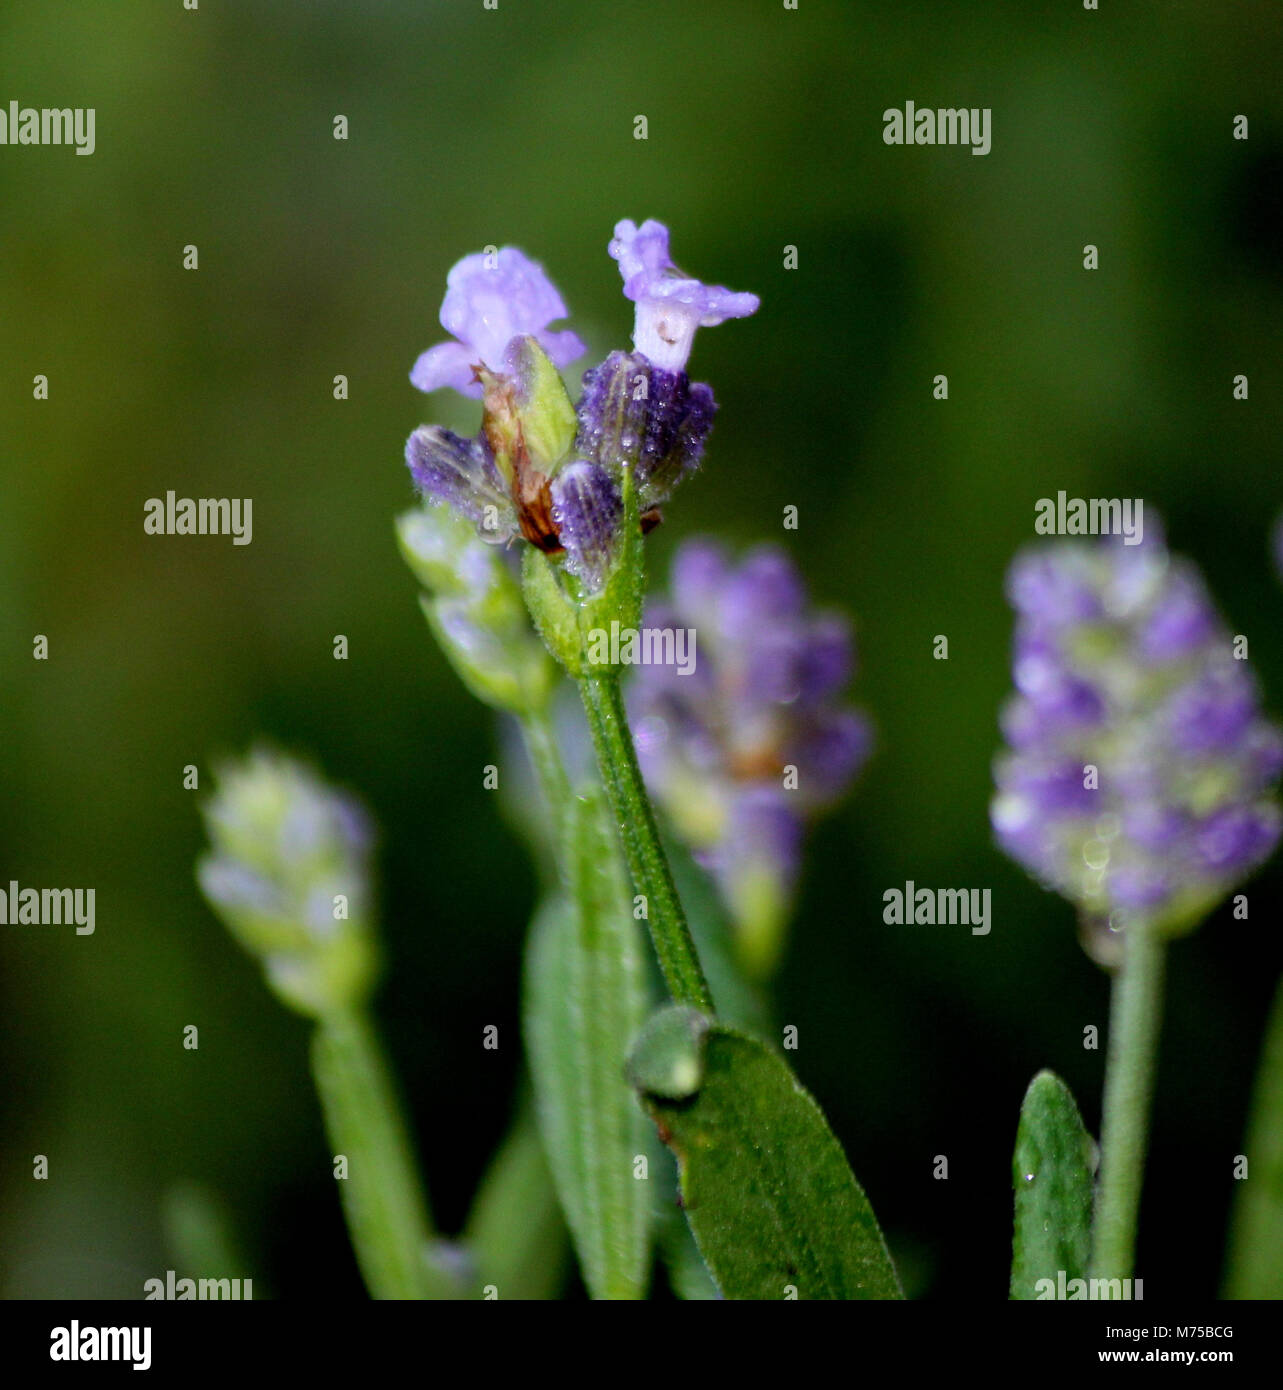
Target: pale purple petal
{"type": "Point", "coordinates": [447, 364]}
{"type": "Point", "coordinates": [670, 305]}
{"type": "Point", "coordinates": [491, 299]}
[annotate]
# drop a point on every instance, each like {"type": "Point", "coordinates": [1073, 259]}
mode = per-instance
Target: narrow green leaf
{"type": "Point", "coordinates": [688, 1275]}
{"type": "Point", "coordinates": [1052, 1171]}
{"type": "Point", "coordinates": [585, 1000]}
{"type": "Point", "coordinates": [515, 1236]}
{"type": "Point", "coordinates": [774, 1207]}
{"type": "Point", "coordinates": [1256, 1246]}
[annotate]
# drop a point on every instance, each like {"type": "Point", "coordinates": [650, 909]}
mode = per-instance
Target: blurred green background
{"type": "Point", "coordinates": [320, 257]}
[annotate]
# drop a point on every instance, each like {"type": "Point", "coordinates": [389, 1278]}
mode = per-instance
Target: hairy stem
{"type": "Point", "coordinates": [647, 862]}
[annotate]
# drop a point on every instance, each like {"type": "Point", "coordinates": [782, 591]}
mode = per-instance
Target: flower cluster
{"type": "Point", "coordinates": [745, 750]}
{"type": "Point", "coordinates": [540, 468]}
{"type": "Point", "coordinates": [1139, 774]}
{"type": "Point", "coordinates": [289, 872]}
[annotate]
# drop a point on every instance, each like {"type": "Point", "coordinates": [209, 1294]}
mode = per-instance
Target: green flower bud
{"type": "Point", "coordinates": [288, 872]}
{"type": "Point", "coordinates": [475, 609]}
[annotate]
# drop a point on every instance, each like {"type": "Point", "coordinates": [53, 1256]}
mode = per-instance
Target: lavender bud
{"type": "Point", "coordinates": [634, 413]}
{"type": "Point", "coordinates": [587, 509]}
{"type": "Point", "coordinates": [461, 474]}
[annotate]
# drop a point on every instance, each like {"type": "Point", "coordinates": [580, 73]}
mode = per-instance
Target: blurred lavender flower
{"type": "Point", "coordinates": [1139, 774]}
{"type": "Point", "coordinates": [747, 749]}
{"type": "Point", "coordinates": [289, 873]}
{"type": "Point", "coordinates": [490, 299]}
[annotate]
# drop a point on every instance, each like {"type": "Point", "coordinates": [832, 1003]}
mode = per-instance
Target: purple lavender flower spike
{"type": "Point", "coordinates": [746, 751]}
{"type": "Point", "coordinates": [491, 299]}
{"type": "Point", "coordinates": [461, 473]}
{"type": "Point", "coordinates": [670, 305]}
{"type": "Point", "coordinates": [1139, 775]}
{"type": "Point", "coordinates": [586, 509]}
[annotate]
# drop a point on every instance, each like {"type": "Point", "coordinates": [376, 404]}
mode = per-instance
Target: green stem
{"type": "Point", "coordinates": [647, 862]}
{"type": "Point", "coordinates": [1135, 1015]}
{"type": "Point", "coordinates": [386, 1211]}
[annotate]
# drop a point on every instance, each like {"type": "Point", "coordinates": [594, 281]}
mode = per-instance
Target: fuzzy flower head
{"type": "Point", "coordinates": [492, 298]}
{"type": "Point", "coordinates": [1139, 774]}
{"type": "Point", "coordinates": [288, 871]}
{"type": "Point", "coordinates": [747, 748]}
{"type": "Point", "coordinates": [670, 305]}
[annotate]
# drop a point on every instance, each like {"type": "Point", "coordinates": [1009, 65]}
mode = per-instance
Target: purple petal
{"type": "Point", "coordinates": [1181, 621]}
{"type": "Point", "coordinates": [766, 588]}
{"type": "Point", "coordinates": [489, 300]}
{"type": "Point", "coordinates": [447, 364]}
{"type": "Point", "coordinates": [764, 833]}
{"type": "Point", "coordinates": [1213, 712]}
{"type": "Point", "coordinates": [670, 305]}
{"type": "Point", "coordinates": [1050, 586]}
{"type": "Point", "coordinates": [1237, 838]}
{"type": "Point", "coordinates": [829, 753]}
{"type": "Point", "coordinates": [649, 273]}
{"type": "Point", "coordinates": [827, 658]}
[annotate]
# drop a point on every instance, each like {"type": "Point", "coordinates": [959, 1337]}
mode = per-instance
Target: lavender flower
{"type": "Point", "coordinates": [670, 305]}
{"type": "Point", "coordinates": [491, 299]}
{"type": "Point", "coordinates": [541, 469]}
{"type": "Point", "coordinates": [289, 873]}
{"type": "Point", "coordinates": [1139, 774]}
{"type": "Point", "coordinates": [746, 750]}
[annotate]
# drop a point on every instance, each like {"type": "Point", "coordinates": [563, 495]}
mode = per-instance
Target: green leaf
{"type": "Point", "coordinates": [586, 996]}
{"type": "Point", "coordinates": [1256, 1247]}
{"type": "Point", "coordinates": [688, 1275]}
{"type": "Point", "coordinates": [773, 1205]}
{"type": "Point", "coordinates": [1052, 1172]}
{"type": "Point", "coordinates": [515, 1234]}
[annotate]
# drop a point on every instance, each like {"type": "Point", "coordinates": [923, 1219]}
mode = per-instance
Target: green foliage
{"type": "Point", "coordinates": [515, 1236]}
{"type": "Point", "coordinates": [585, 998]}
{"type": "Point", "coordinates": [773, 1205]}
{"type": "Point", "coordinates": [1052, 1171]}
